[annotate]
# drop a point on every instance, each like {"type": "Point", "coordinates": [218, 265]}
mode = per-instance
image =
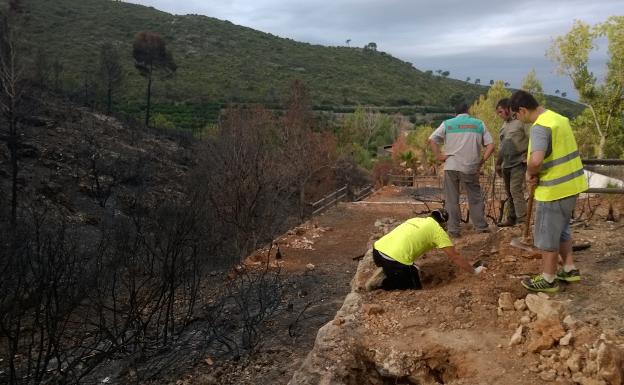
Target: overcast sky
{"type": "Point", "coordinates": [478, 39]}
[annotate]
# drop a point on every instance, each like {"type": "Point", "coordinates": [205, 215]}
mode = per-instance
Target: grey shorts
{"type": "Point", "coordinates": [552, 223]}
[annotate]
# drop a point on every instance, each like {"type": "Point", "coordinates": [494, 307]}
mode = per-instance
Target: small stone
{"type": "Point", "coordinates": [516, 338]}
{"type": "Point", "coordinates": [505, 301]}
{"type": "Point", "coordinates": [569, 322]}
{"type": "Point", "coordinates": [574, 363]}
{"type": "Point", "coordinates": [310, 267]}
{"type": "Point", "coordinates": [593, 353]}
{"type": "Point", "coordinates": [548, 375]}
{"type": "Point", "coordinates": [525, 319]}
{"type": "Point", "coordinates": [520, 304]}
{"type": "Point", "coordinates": [338, 321]}
{"type": "Point", "coordinates": [543, 295]}
{"type": "Point", "coordinates": [565, 341]}
{"type": "Point", "coordinates": [590, 368]}
{"type": "Point", "coordinates": [548, 352]}
{"type": "Point", "coordinates": [459, 310]}
{"type": "Point", "coordinates": [372, 309]}
{"type": "Point", "coordinates": [534, 368]}
{"type": "Point", "coordinates": [564, 354]}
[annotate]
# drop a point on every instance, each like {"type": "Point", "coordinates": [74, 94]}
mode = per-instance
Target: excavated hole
{"type": "Point", "coordinates": [436, 273]}
{"type": "Point", "coordinates": [432, 367]}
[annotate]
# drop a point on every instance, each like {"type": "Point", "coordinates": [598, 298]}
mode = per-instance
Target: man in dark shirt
{"type": "Point", "coordinates": [511, 163]}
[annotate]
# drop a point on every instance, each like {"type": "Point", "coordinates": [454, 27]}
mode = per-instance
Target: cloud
{"type": "Point", "coordinates": [456, 32]}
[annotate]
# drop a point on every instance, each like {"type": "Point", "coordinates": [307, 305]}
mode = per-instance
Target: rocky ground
{"type": "Point", "coordinates": [460, 329]}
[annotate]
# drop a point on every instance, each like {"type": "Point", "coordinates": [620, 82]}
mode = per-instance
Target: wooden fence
{"type": "Point", "coordinates": [340, 194]}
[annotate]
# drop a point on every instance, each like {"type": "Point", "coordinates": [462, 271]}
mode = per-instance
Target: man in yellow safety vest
{"type": "Point", "coordinates": [554, 166]}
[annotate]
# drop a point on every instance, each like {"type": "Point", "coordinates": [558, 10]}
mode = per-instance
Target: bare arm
{"type": "Point", "coordinates": [534, 165]}
{"type": "Point", "coordinates": [489, 149]}
{"type": "Point", "coordinates": [457, 259]}
{"type": "Point", "coordinates": [436, 151]}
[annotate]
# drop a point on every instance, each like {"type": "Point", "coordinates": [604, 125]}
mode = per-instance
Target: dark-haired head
{"type": "Point", "coordinates": [440, 216]}
{"type": "Point", "coordinates": [461, 108]}
{"type": "Point", "coordinates": [524, 99]}
{"type": "Point", "coordinates": [503, 103]}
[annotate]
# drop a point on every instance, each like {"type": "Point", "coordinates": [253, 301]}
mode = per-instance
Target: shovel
{"type": "Point", "coordinates": [524, 242]}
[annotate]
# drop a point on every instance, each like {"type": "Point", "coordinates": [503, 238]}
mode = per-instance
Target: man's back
{"type": "Point", "coordinates": [463, 138]}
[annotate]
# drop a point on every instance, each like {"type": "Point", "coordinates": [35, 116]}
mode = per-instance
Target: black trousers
{"type": "Point", "coordinates": [398, 275]}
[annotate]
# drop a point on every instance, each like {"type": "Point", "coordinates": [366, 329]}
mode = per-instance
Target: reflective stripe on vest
{"type": "Point", "coordinates": [561, 174]}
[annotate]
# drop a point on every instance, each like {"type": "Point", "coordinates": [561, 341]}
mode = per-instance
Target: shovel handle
{"type": "Point", "coordinates": [527, 223]}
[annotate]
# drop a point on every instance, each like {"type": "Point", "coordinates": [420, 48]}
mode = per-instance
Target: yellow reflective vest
{"type": "Point", "coordinates": [561, 174]}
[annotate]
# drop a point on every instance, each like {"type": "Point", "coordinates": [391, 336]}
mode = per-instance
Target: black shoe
{"type": "Point", "coordinates": [570, 276]}
{"type": "Point", "coordinates": [538, 283]}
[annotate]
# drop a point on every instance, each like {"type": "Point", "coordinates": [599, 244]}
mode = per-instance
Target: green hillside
{"type": "Point", "coordinates": [219, 61]}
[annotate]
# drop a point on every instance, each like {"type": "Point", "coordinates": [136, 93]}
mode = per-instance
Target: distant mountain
{"type": "Point", "coordinates": [219, 61]}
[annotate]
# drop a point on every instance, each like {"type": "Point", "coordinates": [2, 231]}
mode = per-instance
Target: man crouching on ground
{"type": "Point", "coordinates": [396, 251]}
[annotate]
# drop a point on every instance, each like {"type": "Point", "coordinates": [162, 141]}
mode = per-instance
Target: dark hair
{"type": "Point", "coordinates": [440, 215]}
{"type": "Point", "coordinates": [461, 108]}
{"type": "Point", "coordinates": [524, 99]}
{"type": "Point", "coordinates": [504, 103]}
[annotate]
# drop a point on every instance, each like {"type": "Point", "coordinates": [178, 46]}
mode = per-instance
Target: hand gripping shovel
{"type": "Point", "coordinates": [524, 242]}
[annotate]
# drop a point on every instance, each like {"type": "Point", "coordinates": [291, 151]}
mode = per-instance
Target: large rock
{"type": "Point", "coordinates": [610, 362]}
{"type": "Point", "coordinates": [539, 343]}
{"type": "Point", "coordinates": [544, 307]}
{"type": "Point", "coordinates": [550, 327]}
{"type": "Point", "coordinates": [333, 358]}
{"type": "Point", "coordinates": [365, 269]}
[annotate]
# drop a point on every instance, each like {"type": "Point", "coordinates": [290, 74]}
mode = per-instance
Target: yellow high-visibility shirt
{"type": "Point", "coordinates": [411, 239]}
